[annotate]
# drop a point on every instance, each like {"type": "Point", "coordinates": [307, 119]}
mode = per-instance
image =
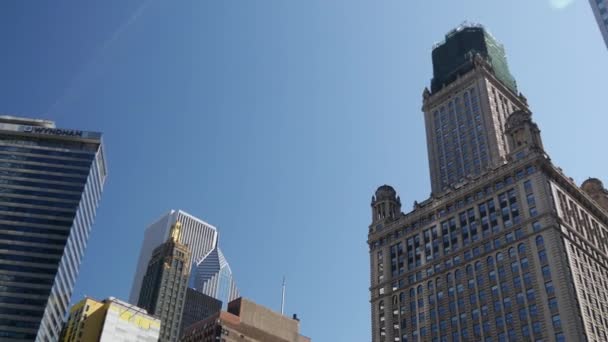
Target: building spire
{"type": "Point", "coordinates": [283, 297]}
{"type": "Point", "coordinates": [176, 230]}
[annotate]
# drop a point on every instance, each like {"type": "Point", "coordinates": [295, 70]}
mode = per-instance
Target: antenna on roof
{"type": "Point", "coordinates": [283, 297]}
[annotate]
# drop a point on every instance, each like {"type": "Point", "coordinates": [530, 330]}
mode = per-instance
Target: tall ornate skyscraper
{"type": "Point", "coordinates": [165, 283]}
{"type": "Point", "coordinates": [507, 248]}
{"type": "Point", "coordinates": [472, 94]}
{"type": "Point", "coordinates": [51, 181]}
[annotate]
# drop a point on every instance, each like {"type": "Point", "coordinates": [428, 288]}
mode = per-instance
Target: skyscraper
{"type": "Point", "coordinates": [202, 240]}
{"type": "Point", "coordinates": [213, 277]}
{"type": "Point", "coordinates": [601, 16]}
{"type": "Point", "coordinates": [514, 251]}
{"type": "Point", "coordinates": [472, 94]}
{"type": "Point", "coordinates": [165, 284]}
{"type": "Point", "coordinates": [51, 181]}
{"type": "Point", "coordinates": [110, 320]}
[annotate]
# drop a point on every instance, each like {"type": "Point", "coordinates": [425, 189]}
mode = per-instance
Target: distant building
{"type": "Point", "coordinates": [51, 180]}
{"type": "Point", "coordinates": [212, 276]}
{"type": "Point", "coordinates": [600, 11]}
{"type": "Point", "coordinates": [197, 307]}
{"type": "Point", "coordinates": [245, 321]}
{"type": "Point", "coordinates": [210, 272]}
{"type": "Point", "coordinates": [110, 320]}
{"type": "Point", "coordinates": [165, 284]}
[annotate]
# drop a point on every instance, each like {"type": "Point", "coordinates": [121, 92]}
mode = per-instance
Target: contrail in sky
{"type": "Point", "coordinates": [91, 68]}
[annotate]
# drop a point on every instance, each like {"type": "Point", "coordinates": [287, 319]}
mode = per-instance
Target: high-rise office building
{"type": "Point", "coordinates": [110, 320]}
{"type": "Point", "coordinates": [165, 283]}
{"type": "Point", "coordinates": [600, 11]}
{"type": "Point", "coordinates": [245, 321]}
{"type": "Point", "coordinates": [51, 181]}
{"type": "Point", "coordinates": [202, 240]}
{"type": "Point", "coordinates": [515, 251]}
{"type": "Point", "coordinates": [213, 277]}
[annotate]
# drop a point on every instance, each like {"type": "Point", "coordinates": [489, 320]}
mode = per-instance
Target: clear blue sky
{"type": "Point", "coordinates": [276, 121]}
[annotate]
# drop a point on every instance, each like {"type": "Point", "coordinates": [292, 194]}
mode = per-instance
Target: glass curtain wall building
{"type": "Point", "coordinates": [213, 277]}
{"type": "Point", "coordinates": [51, 182]}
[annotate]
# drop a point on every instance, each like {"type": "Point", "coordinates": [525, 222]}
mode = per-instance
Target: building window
{"type": "Point", "coordinates": [557, 322]}
{"type": "Point", "coordinates": [539, 241]}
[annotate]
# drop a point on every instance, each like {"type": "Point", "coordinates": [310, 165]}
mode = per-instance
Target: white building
{"type": "Point", "coordinates": [111, 320]}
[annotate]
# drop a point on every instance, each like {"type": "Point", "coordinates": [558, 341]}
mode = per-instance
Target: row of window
{"type": "Point", "coordinates": [28, 158]}
{"type": "Point", "coordinates": [501, 307]}
{"type": "Point", "coordinates": [46, 194]}
{"type": "Point", "coordinates": [487, 191]}
{"type": "Point", "coordinates": [88, 156]}
{"type": "Point", "coordinates": [34, 201]}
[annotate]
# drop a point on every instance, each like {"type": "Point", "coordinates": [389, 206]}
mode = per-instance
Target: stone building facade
{"type": "Point", "coordinates": [514, 252]}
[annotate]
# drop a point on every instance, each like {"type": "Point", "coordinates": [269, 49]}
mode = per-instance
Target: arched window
{"type": "Point", "coordinates": [458, 274]}
{"type": "Point", "coordinates": [478, 266]}
{"type": "Point", "coordinates": [395, 300]}
{"type": "Point", "coordinates": [381, 305]}
{"type": "Point", "coordinates": [420, 290]}
{"type": "Point", "coordinates": [412, 293]}
{"type": "Point", "coordinates": [539, 241]}
{"type": "Point", "coordinates": [499, 257]}
{"type": "Point", "coordinates": [469, 270]}
{"type": "Point", "coordinates": [490, 261]}
{"type": "Point", "coordinates": [521, 249]}
{"type": "Point", "coordinates": [430, 285]}
{"type": "Point", "coordinates": [511, 252]}
{"type": "Point", "coordinates": [448, 278]}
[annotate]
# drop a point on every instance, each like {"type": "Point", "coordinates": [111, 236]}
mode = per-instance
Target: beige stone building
{"type": "Point", "coordinates": [512, 250]}
{"type": "Point", "coordinates": [245, 321]}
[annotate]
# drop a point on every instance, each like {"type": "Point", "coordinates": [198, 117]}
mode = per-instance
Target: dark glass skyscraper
{"type": "Point", "coordinates": [51, 182]}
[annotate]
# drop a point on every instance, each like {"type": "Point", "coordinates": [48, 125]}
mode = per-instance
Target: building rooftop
{"type": "Point", "coordinates": [453, 57]}
{"type": "Point", "coordinates": [26, 121]}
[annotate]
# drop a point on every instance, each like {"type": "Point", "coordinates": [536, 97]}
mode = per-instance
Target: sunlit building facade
{"type": "Point", "coordinates": [51, 181]}
{"type": "Point", "coordinates": [515, 251]}
{"type": "Point", "coordinates": [110, 320]}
